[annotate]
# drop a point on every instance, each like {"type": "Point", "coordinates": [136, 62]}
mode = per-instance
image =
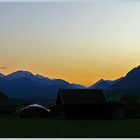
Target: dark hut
{"type": "Point", "coordinates": [88, 103]}
{"type": "Point", "coordinates": [34, 111]}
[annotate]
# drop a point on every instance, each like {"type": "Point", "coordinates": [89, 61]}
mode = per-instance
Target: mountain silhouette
{"type": "Point", "coordinates": [102, 84]}
{"type": "Point", "coordinates": [24, 84]}
{"type": "Point", "coordinates": [130, 82]}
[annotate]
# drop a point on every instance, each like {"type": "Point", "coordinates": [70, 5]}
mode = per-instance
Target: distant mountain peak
{"type": "Point", "coordinates": [19, 74]}
{"type": "Point", "coordinates": [102, 84]}
{"type": "Point", "coordinates": [60, 81]}
{"type": "Point", "coordinates": [24, 84]}
{"type": "Point", "coordinates": [22, 71]}
{"type": "Point", "coordinates": [99, 81]}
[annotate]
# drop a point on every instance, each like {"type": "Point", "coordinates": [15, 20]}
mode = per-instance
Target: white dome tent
{"type": "Point", "coordinates": [34, 111]}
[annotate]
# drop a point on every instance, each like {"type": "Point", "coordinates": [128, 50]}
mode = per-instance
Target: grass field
{"type": "Point", "coordinates": [57, 128]}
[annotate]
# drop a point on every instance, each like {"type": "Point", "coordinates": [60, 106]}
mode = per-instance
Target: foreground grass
{"type": "Point", "coordinates": [54, 128]}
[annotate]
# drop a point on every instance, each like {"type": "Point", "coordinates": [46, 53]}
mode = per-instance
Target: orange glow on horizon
{"type": "Point", "coordinates": [86, 79]}
{"type": "Point", "coordinates": [78, 42]}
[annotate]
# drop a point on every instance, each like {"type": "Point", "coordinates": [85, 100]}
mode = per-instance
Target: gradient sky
{"type": "Point", "coordinates": [80, 42]}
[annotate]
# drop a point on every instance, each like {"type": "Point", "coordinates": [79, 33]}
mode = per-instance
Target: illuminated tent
{"type": "Point", "coordinates": [34, 111]}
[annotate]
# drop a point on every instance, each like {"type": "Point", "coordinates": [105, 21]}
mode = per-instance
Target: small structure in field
{"type": "Point", "coordinates": [34, 111]}
{"type": "Point", "coordinates": [88, 103]}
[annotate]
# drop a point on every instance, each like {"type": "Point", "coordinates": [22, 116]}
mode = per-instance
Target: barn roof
{"type": "Point", "coordinates": [80, 96]}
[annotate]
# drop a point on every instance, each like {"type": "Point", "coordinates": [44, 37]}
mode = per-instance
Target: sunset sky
{"type": "Point", "coordinates": [80, 42]}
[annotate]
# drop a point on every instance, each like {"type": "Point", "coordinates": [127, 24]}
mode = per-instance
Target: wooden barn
{"type": "Point", "coordinates": [88, 103]}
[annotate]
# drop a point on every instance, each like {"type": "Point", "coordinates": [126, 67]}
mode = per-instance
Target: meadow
{"type": "Point", "coordinates": [62, 128]}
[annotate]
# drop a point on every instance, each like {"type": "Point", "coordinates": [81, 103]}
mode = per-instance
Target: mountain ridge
{"type": "Point", "coordinates": [24, 84]}
{"type": "Point", "coordinates": [129, 82]}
